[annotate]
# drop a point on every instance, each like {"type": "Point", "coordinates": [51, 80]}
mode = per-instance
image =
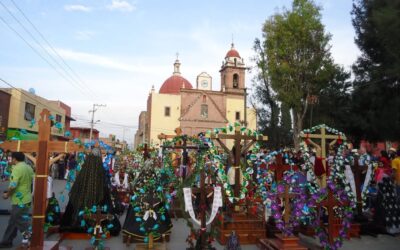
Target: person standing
{"type": "Point", "coordinates": [396, 168]}
{"type": "Point", "coordinates": [61, 168]}
{"type": "Point", "coordinates": [19, 191]}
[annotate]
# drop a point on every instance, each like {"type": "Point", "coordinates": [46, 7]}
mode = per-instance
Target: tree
{"type": "Point", "coordinates": [298, 58]}
{"type": "Point", "coordinates": [268, 113]}
{"type": "Point", "coordinates": [377, 71]}
{"type": "Point", "coordinates": [333, 103]}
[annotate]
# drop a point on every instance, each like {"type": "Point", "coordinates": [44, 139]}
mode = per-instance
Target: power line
{"type": "Point", "coordinates": [36, 51]}
{"type": "Point", "coordinates": [106, 123]}
{"type": "Point", "coordinates": [47, 42]}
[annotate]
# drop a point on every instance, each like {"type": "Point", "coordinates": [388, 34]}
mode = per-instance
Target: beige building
{"type": "Point", "coordinates": [24, 113]}
{"type": "Point", "coordinates": [140, 133]}
{"type": "Point", "coordinates": [195, 110]}
{"type": "Point", "coordinates": [116, 144]}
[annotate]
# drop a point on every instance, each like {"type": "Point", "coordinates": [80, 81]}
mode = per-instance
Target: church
{"type": "Point", "coordinates": [197, 109]}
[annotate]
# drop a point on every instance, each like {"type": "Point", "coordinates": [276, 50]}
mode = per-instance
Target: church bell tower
{"type": "Point", "coordinates": [233, 72]}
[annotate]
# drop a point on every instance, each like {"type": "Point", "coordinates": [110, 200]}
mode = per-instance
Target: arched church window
{"type": "Point", "coordinates": [204, 111]}
{"type": "Point", "coordinates": [235, 81]}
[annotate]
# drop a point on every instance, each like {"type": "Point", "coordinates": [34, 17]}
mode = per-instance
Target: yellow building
{"type": "Point", "coordinates": [195, 110]}
{"type": "Point", "coordinates": [24, 113]}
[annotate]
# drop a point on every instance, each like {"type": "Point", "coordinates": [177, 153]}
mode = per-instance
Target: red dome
{"type": "Point", "coordinates": [232, 53]}
{"type": "Point", "coordinates": [174, 84]}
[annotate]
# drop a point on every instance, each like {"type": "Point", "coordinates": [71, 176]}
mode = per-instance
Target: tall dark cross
{"type": "Point", "coordinates": [203, 190]}
{"type": "Point", "coordinates": [237, 151]}
{"type": "Point", "coordinates": [43, 147]}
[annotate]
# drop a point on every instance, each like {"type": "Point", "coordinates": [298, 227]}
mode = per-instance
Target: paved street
{"type": "Point", "coordinates": [180, 233]}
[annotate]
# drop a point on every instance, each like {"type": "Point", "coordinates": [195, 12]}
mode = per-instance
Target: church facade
{"type": "Point", "coordinates": [197, 109]}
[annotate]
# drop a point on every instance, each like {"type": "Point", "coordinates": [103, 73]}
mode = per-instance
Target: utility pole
{"type": "Point", "coordinates": [245, 107]}
{"type": "Point", "coordinates": [95, 106]}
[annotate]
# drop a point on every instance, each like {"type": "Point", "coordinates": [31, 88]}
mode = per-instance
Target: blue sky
{"type": "Point", "coordinates": [120, 48]}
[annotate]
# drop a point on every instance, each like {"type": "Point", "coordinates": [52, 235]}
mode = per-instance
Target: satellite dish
{"type": "Point", "coordinates": [32, 91]}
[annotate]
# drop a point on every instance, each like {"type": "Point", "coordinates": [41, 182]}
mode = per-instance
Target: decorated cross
{"type": "Point", "coordinates": [237, 151]}
{"type": "Point", "coordinates": [286, 196]}
{"type": "Point", "coordinates": [321, 148]}
{"type": "Point", "coordinates": [43, 147]}
{"type": "Point", "coordinates": [279, 167]}
{"type": "Point", "coordinates": [330, 203]}
{"type": "Point", "coordinates": [98, 218]}
{"type": "Point", "coordinates": [145, 152]}
{"type": "Point", "coordinates": [203, 201]}
{"type": "Point", "coordinates": [204, 191]}
{"type": "Point", "coordinates": [178, 132]}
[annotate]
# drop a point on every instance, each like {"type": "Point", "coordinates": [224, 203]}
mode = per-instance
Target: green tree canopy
{"type": "Point", "coordinates": [298, 58]}
{"type": "Point", "coordinates": [376, 96]}
{"type": "Point", "coordinates": [272, 117]}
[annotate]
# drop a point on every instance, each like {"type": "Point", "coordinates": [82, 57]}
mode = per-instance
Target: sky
{"type": "Point", "coordinates": [119, 49]}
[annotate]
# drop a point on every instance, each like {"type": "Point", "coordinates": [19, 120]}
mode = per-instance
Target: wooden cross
{"type": "Point", "coordinates": [145, 152]}
{"type": "Point", "coordinates": [162, 136]}
{"type": "Point", "coordinates": [43, 146]}
{"type": "Point", "coordinates": [204, 193]}
{"type": "Point", "coordinates": [330, 202]}
{"type": "Point", "coordinates": [185, 147]}
{"type": "Point", "coordinates": [236, 153]}
{"type": "Point", "coordinates": [98, 218]}
{"type": "Point", "coordinates": [286, 196]}
{"type": "Point", "coordinates": [280, 168]}
{"type": "Point", "coordinates": [203, 190]}
{"type": "Point", "coordinates": [321, 149]}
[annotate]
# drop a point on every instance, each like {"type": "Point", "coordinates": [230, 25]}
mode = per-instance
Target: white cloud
{"type": "Point", "coordinates": [84, 35]}
{"type": "Point", "coordinates": [102, 61]}
{"type": "Point", "coordinates": [121, 5]}
{"type": "Point", "coordinates": [77, 7]}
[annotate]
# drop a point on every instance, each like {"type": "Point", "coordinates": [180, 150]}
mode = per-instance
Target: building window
{"type": "Point", "coordinates": [204, 98]}
{"type": "Point", "coordinates": [167, 111]}
{"type": "Point", "coordinates": [29, 114]}
{"type": "Point", "coordinates": [237, 116]}
{"type": "Point", "coordinates": [204, 111]}
{"type": "Point", "coordinates": [235, 81]}
{"type": "Point", "coordinates": [58, 118]}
